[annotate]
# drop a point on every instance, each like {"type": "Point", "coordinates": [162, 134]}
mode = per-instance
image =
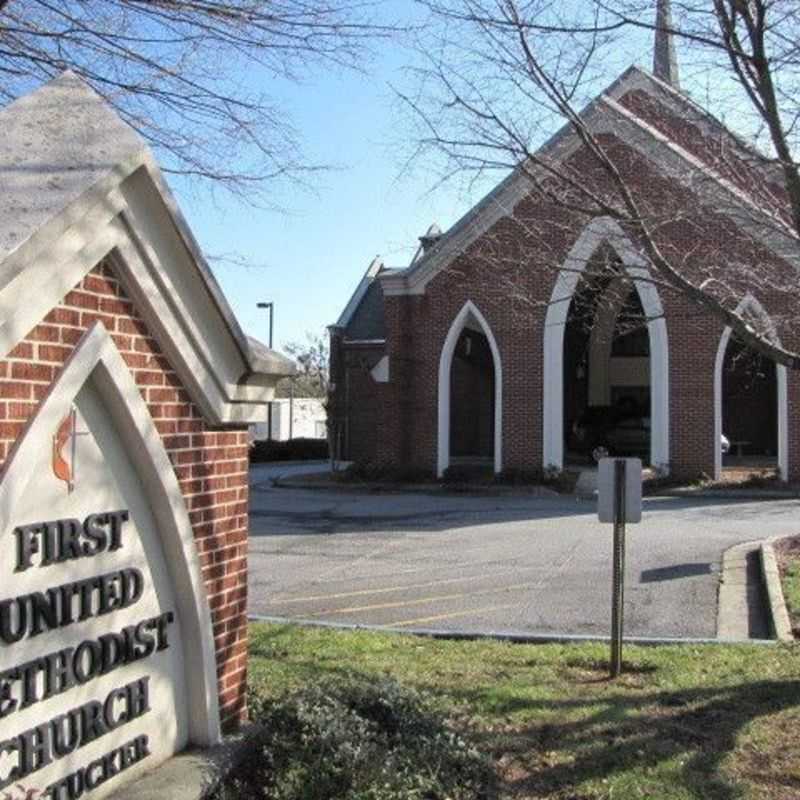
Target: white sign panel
{"type": "Point", "coordinates": [632, 511]}
{"type": "Point", "coordinates": [91, 661]}
{"type": "Point", "coordinates": [96, 597]}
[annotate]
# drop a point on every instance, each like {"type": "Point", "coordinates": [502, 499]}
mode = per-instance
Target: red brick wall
{"type": "Point", "coordinates": [210, 464]}
{"type": "Point", "coordinates": [509, 274]}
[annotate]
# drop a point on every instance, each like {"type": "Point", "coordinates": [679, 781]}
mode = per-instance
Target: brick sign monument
{"type": "Point", "coordinates": [126, 388]}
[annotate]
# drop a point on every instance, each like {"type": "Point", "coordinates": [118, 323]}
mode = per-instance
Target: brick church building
{"type": "Point", "coordinates": [479, 350]}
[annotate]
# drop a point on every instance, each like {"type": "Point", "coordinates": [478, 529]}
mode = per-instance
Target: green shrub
{"type": "Point", "coordinates": [561, 481]}
{"type": "Point", "coordinates": [357, 740]}
{"type": "Point", "coordinates": [369, 471]}
{"type": "Point", "coordinates": [410, 474]}
{"type": "Point", "coordinates": [289, 450]}
{"type": "Point", "coordinates": [468, 473]}
{"type": "Point", "coordinates": [365, 470]}
{"type": "Point", "coordinates": [521, 476]}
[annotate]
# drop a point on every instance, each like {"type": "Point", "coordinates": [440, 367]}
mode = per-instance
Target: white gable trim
{"type": "Point", "coordinates": [159, 275]}
{"type": "Point", "coordinates": [750, 304]}
{"type": "Point", "coordinates": [97, 359]}
{"type": "Point", "coordinates": [600, 231]}
{"type": "Point", "coordinates": [445, 365]}
{"type": "Point", "coordinates": [499, 203]}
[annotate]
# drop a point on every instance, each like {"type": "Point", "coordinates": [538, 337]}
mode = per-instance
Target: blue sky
{"type": "Point", "coordinates": [310, 258]}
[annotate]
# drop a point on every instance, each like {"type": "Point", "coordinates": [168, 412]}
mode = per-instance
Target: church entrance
{"type": "Point", "coordinates": [606, 364]}
{"type": "Point", "coordinates": [606, 356]}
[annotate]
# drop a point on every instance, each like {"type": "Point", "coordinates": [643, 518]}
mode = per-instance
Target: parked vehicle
{"type": "Point", "coordinates": [619, 429]}
{"type": "Point", "coordinates": [623, 429]}
{"type": "Point", "coordinates": [630, 436]}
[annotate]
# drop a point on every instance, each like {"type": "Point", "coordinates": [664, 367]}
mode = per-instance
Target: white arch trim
{"type": "Point", "coordinates": [445, 363]}
{"type": "Point", "coordinates": [603, 230]}
{"type": "Point", "coordinates": [750, 304]}
{"type": "Point", "coordinates": [96, 359]}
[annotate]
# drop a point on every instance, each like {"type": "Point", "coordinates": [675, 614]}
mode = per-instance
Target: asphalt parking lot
{"type": "Point", "coordinates": [513, 564]}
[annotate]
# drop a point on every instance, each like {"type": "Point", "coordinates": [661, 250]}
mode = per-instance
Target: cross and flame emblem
{"type": "Point", "coordinates": [66, 435]}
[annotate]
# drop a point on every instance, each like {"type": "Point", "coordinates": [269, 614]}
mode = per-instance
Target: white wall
{"type": "Point", "coordinates": [308, 420]}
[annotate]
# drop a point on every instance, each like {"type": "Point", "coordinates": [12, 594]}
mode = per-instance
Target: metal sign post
{"type": "Point", "coordinates": [618, 580]}
{"type": "Point", "coordinates": [619, 501]}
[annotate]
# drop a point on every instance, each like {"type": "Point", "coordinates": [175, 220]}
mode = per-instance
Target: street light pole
{"type": "Point", "coordinates": [291, 409]}
{"type": "Point", "coordinates": [271, 307]}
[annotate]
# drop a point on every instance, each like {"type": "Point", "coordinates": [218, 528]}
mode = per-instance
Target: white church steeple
{"type": "Point", "coordinates": [665, 62]}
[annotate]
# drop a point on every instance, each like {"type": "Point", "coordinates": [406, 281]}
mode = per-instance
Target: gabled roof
{"type": "Point", "coordinates": [374, 268]}
{"type": "Point", "coordinates": [688, 147]}
{"type": "Point", "coordinates": [78, 185]}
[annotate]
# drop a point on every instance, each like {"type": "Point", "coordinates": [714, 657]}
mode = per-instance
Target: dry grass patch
{"type": "Point", "coordinates": [787, 552]}
{"type": "Point", "coordinates": [683, 722]}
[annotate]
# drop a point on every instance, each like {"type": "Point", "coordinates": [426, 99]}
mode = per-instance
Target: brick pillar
{"type": "Point", "coordinates": [390, 432]}
{"type": "Point", "coordinates": [693, 341]}
{"type": "Point", "coordinates": [336, 380]}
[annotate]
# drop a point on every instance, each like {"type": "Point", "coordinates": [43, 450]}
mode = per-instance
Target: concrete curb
{"type": "Point", "coordinates": [776, 605]}
{"type": "Point", "coordinates": [736, 593]}
{"type": "Point", "coordinates": [730, 494]}
{"type": "Point", "coordinates": [302, 462]}
{"type": "Point", "coordinates": [500, 636]}
{"type": "Point", "coordinates": [436, 490]}
{"type": "Point", "coordinates": [191, 775]}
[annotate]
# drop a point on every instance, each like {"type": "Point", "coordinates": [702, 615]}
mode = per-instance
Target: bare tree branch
{"type": "Point", "coordinates": [499, 76]}
{"type": "Point", "coordinates": [192, 76]}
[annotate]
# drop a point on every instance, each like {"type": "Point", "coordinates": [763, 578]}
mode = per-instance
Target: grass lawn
{"type": "Point", "coordinates": [682, 722]}
{"type": "Point", "coordinates": [788, 552]}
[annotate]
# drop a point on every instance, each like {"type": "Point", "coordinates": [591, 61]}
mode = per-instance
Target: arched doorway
{"type": "Point", "coordinates": [606, 367]}
{"type": "Point", "coordinates": [617, 355]}
{"type": "Point", "coordinates": [750, 402]}
{"type": "Point", "coordinates": [470, 394]}
{"type": "Point", "coordinates": [472, 398]}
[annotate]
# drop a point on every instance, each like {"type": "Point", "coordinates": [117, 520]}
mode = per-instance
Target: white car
{"type": "Point", "coordinates": [725, 443]}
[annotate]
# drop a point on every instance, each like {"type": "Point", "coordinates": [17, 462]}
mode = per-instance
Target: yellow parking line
{"type": "Point", "coordinates": [422, 600]}
{"type": "Point", "coordinates": [421, 620]}
{"type": "Point", "coordinates": [329, 578]}
{"type": "Point", "coordinates": [360, 592]}
{"type": "Point", "coordinates": [386, 590]}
